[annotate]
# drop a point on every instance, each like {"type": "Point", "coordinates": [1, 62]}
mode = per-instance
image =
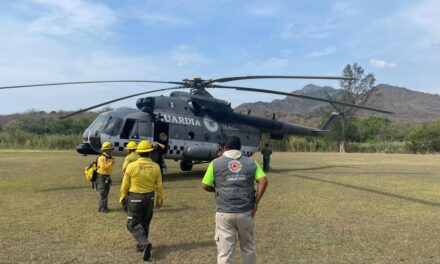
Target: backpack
{"type": "Point", "coordinates": [91, 171]}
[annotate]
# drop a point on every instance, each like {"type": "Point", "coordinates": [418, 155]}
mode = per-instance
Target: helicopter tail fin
{"type": "Point", "coordinates": [327, 124]}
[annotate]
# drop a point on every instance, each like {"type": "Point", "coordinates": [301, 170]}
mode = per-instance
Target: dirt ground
{"type": "Point", "coordinates": [319, 208]}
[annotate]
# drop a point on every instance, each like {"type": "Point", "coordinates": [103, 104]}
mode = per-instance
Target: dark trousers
{"type": "Point", "coordinates": [140, 212]}
{"type": "Point", "coordinates": [103, 183]}
{"type": "Point", "coordinates": [266, 162]}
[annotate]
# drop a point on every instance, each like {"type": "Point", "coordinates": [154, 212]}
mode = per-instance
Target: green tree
{"type": "Point", "coordinates": [425, 138]}
{"type": "Point", "coordinates": [355, 91]}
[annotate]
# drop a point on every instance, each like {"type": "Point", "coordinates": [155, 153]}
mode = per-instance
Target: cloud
{"type": "Point", "coordinates": [345, 8]}
{"type": "Point", "coordinates": [265, 10]}
{"type": "Point", "coordinates": [61, 17]}
{"type": "Point", "coordinates": [313, 30]}
{"type": "Point", "coordinates": [322, 53]}
{"type": "Point", "coordinates": [150, 18]}
{"type": "Point", "coordinates": [184, 55]}
{"type": "Point", "coordinates": [266, 65]}
{"type": "Point", "coordinates": [425, 16]}
{"type": "Point", "coordinates": [382, 64]}
{"type": "Point", "coordinates": [39, 58]}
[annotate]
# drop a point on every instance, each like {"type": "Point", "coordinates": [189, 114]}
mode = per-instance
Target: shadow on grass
{"type": "Point", "coordinates": [160, 252]}
{"type": "Point", "coordinates": [393, 195]}
{"type": "Point", "coordinates": [276, 170]}
{"type": "Point", "coordinates": [184, 175]}
{"type": "Point", "coordinates": [312, 169]}
{"type": "Point", "coordinates": [379, 173]}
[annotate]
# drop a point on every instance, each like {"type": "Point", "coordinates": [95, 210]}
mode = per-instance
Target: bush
{"type": "Point", "coordinates": [23, 140]}
{"type": "Point", "coordinates": [425, 138]}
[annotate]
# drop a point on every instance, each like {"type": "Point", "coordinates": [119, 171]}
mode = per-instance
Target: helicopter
{"type": "Point", "coordinates": [191, 124]}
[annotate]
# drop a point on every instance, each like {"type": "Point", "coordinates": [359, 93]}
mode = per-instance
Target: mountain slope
{"type": "Point", "coordinates": [409, 106]}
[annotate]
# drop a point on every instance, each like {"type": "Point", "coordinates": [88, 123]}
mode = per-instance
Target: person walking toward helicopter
{"type": "Point", "coordinates": [142, 182]}
{"type": "Point", "coordinates": [131, 155]}
{"type": "Point", "coordinates": [103, 177]}
{"type": "Point", "coordinates": [232, 177]}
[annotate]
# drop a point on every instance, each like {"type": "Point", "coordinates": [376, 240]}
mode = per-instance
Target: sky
{"type": "Point", "coordinates": [80, 40]}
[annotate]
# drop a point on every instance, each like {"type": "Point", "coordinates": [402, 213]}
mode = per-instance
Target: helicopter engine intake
{"type": "Point", "coordinates": [146, 104]}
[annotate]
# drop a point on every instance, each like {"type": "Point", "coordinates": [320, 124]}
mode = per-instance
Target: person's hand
{"type": "Point", "coordinates": [124, 201]}
{"type": "Point", "coordinates": [159, 203]}
{"type": "Point", "coordinates": [254, 210]}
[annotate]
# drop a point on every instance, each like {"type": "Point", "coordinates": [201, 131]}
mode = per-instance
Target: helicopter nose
{"type": "Point", "coordinates": [85, 149]}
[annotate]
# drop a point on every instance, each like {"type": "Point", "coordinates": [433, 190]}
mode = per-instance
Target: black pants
{"type": "Point", "coordinates": [103, 183]}
{"type": "Point", "coordinates": [140, 212]}
{"type": "Point", "coordinates": [266, 162]}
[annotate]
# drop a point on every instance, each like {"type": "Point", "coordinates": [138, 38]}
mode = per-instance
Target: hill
{"type": "Point", "coordinates": [409, 106]}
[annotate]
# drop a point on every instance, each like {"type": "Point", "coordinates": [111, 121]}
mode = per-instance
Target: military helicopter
{"type": "Point", "coordinates": [191, 124]}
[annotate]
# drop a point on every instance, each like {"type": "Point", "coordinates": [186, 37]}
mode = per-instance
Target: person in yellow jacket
{"type": "Point", "coordinates": [103, 176]}
{"type": "Point", "coordinates": [131, 155]}
{"type": "Point", "coordinates": [143, 182]}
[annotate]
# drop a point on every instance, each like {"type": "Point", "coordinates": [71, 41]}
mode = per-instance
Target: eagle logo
{"type": "Point", "coordinates": [210, 124]}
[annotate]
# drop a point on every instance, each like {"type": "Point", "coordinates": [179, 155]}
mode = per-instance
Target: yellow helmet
{"type": "Point", "coordinates": [144, 146]}
{"type": "Point", "coordinates": [131, 145]}
{"type": "Point", "coordinates": [106, 145]}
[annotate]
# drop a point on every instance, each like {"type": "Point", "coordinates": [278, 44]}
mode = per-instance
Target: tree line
{"type": "Point", "coordinates": [41, 130]}
{"type": "Point", "coordinates": [372, 134]}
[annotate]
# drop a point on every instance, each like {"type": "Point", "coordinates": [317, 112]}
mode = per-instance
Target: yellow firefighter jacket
{"type": "Point", "coordinates": [142, 176]}
{"type": "Point", "coordinates": [129, 159]}
{"type": "Point", "coordinates": [105, 164]}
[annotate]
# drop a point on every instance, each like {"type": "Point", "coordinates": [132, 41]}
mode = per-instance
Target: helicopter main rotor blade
{"type": "Point", "coordinates": [119, 99]}
{"type": "Point", "coordinates": [258, 90]}
{"type": "Point", "coordinates": [86, 82]}
{"type": "Point", "coordinates": [238, 78]}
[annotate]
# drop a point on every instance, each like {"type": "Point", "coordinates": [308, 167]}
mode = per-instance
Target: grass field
{"type": "Point", "coordinates": [319, 208]}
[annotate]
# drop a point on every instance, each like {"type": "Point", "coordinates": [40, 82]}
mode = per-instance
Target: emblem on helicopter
{"type": "Point", "coordinates": [210, 124]}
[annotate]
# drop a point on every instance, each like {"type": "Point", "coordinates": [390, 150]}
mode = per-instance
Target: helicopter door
{"type": "Point", "coordinates": [135, 129]}
{"type": "Point", "coordinates": [128, 128]}
{"type": "Point", "coordinates": [161, 133]}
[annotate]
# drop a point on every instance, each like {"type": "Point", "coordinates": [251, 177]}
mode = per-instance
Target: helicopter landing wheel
{"type": "Point", "coordinates": [186, 165]}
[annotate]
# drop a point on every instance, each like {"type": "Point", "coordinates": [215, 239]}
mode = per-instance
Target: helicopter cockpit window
{"type": "Point", "coordinates": [99, 124]}
{"type": "Point", "coordinates": [142, 129]}
{"type": "Point", "coordinates": [135, 129]}
{"type": "Point", "coordinates": [113, 126]}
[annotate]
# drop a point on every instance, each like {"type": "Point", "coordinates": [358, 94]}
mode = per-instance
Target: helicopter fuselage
{"type": "Point", "coordinates": [191, 126]}
{"type": "Point", "coordinates": [178, 121]}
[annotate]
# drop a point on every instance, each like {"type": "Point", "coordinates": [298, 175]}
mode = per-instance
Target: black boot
{"type": "Point", "coordinates": [147, 252]}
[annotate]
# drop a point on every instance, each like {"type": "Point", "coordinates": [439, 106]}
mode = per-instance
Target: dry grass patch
{"type": "Point", "coordinates": [319, 208]}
